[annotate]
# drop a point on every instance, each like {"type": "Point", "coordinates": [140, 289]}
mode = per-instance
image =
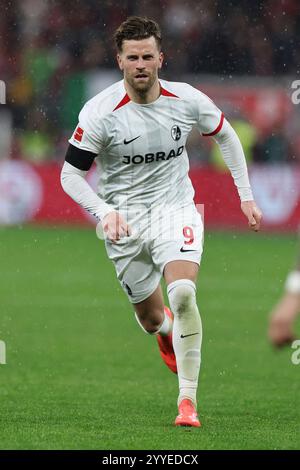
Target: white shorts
{"type": "Point", "coordinates": [140, 259]}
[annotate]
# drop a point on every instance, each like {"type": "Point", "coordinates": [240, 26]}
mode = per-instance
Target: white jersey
{"type": "Point", "coordinates": [140, 148]}
{"type": "Point", "coordinates": [143, 173]}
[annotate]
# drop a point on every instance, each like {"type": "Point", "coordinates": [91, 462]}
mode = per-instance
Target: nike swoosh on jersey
{"type": "Point", "coordinates": [185, 336]}
{"type": "Point", "coordinates": [128, 141]}
{"type": "Point", "coordinates": [184, 251]}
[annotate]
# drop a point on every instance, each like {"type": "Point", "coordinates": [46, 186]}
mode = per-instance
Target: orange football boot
{"type": "Point", "coordinates": [187, 414]}
{"type": "Point", "coordinates": [166, 347]}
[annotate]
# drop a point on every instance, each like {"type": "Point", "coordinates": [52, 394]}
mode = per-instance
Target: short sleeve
{"type": "Point", "coordinates": [209, 118]}
{"type": "Point", "coordinates": [88, 134]}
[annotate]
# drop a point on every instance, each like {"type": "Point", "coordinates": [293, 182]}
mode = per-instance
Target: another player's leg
{"type": "Point", "coordinates": [284, 314]}
{"type": "Point", "coordinates": [156, 319]}
{"type": "Point", "coordinates": [180, 277]}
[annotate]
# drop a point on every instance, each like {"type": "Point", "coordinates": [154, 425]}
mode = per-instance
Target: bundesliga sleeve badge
{"type": "Point", "coordinates": [78, 134]}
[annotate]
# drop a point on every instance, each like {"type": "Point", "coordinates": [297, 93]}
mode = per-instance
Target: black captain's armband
{"type": "Point", "coordinates": [81, 159]}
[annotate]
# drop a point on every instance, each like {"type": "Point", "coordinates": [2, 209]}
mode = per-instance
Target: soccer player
{"type": "Point", "coordinates": [284, 314]}
{"type": "Point", "coordinates": [136, 131]}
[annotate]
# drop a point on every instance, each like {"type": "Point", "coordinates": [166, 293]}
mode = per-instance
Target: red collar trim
{"type": "Point", "coordinates": [165, 92]}
{"type": "Point", "coordinates": [123, 101]}
{"type": "Point", "coordinates": [126, 98]}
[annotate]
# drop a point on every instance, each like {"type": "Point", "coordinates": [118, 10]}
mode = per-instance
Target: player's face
{"type": "Point", "coordinates": [140, 61]}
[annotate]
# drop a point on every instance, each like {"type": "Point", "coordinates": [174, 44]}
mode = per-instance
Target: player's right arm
{"type": "Point", "coordinates": [85, 145]}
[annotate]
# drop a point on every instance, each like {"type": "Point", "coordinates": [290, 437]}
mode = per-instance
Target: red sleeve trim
{"type": "Point", "coordinates": [217, 129]}
{"type": "Point", "coordinates": [123, 101]}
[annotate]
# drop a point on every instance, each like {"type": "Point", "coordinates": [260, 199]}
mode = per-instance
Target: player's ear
{"type": "Point", "coordinates": [161, 59]}
{"type": "Point", "coordinates": [119, 60]}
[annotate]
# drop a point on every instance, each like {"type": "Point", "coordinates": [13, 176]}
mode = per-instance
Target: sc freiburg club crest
{"type": "Point", "coordinates": [176, 132]}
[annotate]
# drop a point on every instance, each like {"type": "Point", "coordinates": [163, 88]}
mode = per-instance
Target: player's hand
{"type": "Point", "coordinates": [115, 227]}
{"type": "Point", "coordinates": [253, 214]}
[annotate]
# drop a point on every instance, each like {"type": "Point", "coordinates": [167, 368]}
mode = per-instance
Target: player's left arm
{"type": "Point", "coordinates": [233, 154]}
{"type": "Point", "coordinates": [212, 123]}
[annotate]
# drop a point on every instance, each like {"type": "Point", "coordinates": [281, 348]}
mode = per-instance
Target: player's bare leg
{"type": "Point", "coordinates": [282, 319]}
{"type": "Point", "coordinates": [155, 318]}
{"type": "Point", "coordinates": [180, 277]}
{"type": "Point", "coordinates": [284, 314]}
{"type": "Point", "coordinates": [150, 312]}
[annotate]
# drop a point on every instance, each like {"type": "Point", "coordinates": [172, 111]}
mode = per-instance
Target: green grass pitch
{"type": "Point", "coordinates": [81, 374]}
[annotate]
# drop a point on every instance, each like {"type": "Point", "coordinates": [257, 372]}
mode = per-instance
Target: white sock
{"type": "Point", "coordinates": [187, 336]}
{"type": "Point", "coordinates": [164, 329]}
{"type": "Point", "coordinates": [292, 283]}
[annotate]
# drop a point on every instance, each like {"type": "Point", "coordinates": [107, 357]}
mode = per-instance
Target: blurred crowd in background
{"type": "Point", "coordinates": [54, 54]}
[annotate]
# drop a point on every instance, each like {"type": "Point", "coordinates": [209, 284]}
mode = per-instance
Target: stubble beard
{"type": "Point", "coordinates": [142, 88]}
